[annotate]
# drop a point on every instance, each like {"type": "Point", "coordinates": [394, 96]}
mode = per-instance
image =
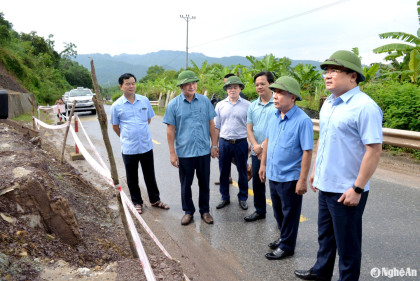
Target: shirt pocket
{"type": "Point", "coordinates": [288, 140]}
{"type": "Point", "coordinates": [143, 113]}
{"type": "Point", "coordinates": [200, 113]}
{"type": "Point", "coordinates": [127, 114]}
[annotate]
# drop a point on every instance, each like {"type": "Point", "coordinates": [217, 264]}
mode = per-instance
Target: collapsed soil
{"type": "Point", "coordinates": [55, 225]}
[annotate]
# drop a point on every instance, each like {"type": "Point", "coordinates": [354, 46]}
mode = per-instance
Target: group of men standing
{"type": "Point", "coordinates": [281, 138]}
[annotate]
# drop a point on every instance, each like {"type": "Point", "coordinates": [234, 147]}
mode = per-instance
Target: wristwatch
{"type": "Point", "coordinates": [214, 146]}
{"type": "Point", "coordinates": [357, 189]}
{"type": "Point", "coordinates": [262, 146]}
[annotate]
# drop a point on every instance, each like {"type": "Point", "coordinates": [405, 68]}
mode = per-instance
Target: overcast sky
{"type": "Point", "coordinates": [299, 29]}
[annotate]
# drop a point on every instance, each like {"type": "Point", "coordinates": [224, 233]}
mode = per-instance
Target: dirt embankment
{"type": "Point", "coordinates": [57, 226]}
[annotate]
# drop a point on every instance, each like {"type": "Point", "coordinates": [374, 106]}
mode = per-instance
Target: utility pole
{"type": "Point", "coordinates": [187, 18]}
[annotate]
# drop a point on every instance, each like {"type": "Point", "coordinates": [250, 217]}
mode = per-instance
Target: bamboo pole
{"type": "Point", "coordinates": [67, 131]}
{"type": "Point", "coordinates": [114, 173]}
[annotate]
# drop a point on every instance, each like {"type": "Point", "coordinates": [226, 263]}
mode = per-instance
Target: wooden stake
{"type": "Point", "coordinates": [114, 174]}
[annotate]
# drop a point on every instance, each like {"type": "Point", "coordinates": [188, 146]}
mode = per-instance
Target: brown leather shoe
{"type": "Point", "coordinates": [186, 219]}
{"type": "Point", "coordinates": [207, 218]}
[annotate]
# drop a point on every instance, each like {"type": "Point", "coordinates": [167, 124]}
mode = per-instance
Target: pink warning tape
{"type": "Point", "coordinates": [51, 127]}
{"type": "Point", "coordinates": [91, 144]}
{"type": "Point", "coordinates": [143, 223]}
{"type": "Point", "coordinates": [103, 170]}
{"type": "Point", "coordinates": [145, 226]}
{"type": "Point", "coordinates": [147, 268]}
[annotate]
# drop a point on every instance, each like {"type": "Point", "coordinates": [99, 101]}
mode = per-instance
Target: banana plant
{"type": "Point", "coordinates": [409, 50]}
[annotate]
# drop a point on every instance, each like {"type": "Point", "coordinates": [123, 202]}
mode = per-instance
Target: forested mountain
{"type": "Point", "coordinates": [109, 68]}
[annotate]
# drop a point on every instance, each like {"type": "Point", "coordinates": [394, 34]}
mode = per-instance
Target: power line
{"type": "Point", "coordinates": [275, 22]}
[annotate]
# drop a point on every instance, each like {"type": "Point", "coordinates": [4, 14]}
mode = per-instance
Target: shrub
{"type": "Point", "coordinates": [400, 103]}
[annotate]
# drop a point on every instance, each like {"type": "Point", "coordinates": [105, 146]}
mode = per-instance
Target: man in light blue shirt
{"type": "Point", "coordinates": [286, 159]}
{"type": "Point", "coordinates": [259, 113]}
{"type": "Point", "coordinates": [349, 147]}
{"type": "Point", "coordinates": [130, 118]}
{"type": "Point", "coordinates": [190, 122]}
{"type": "Point", "coordinates": [230, 124]}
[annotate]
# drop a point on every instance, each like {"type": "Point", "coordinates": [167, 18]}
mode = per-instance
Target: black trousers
{"type": "Point", "coordinates": [258, 187]}
{"type": "Point", "coordinates": [201, 166]}
{"type": "Point", "coordinates": [287, 206]}
{"type": "Point", "coordinates": [339, 230]}
{"type": "Point", "coordinates": [131, 163]}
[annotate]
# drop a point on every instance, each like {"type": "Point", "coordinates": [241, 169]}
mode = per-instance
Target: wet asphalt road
{"type": "Point", "coordinates": [391, 234]}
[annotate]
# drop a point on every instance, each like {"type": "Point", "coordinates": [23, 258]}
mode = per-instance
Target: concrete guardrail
{"type": "Point", "coordinates": [395, 137]}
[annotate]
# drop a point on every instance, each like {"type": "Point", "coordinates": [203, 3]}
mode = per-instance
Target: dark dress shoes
{"type": "Point", "coordinates": [186, 219]}
{"type": "Point", "coordinates": [278, 254]}
{"type": "Point", "coordinates": [243, 205]}
{"type": "Point", "coordinates": [207, 218]}
{"type": "Point", "coordinates": [254, 216]}
{"type": "Point", "coordinates": [275, 244]}
{"type": "Point", "coordinates": [223, 204]}
{"type": "Point", "coordinates": [309, 275]}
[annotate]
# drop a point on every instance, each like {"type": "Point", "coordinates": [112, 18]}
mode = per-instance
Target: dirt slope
{"type": "Point", "coordinates": [55, 225]}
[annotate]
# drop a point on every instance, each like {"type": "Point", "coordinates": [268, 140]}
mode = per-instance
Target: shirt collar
{"type": "Point", "coordinates": [346, 96]}
{"type": "Point", "coordinates": [124, 99]}
{"type": "Point", "coordinates": [184, 98]}
{"type": "Point", "coordinates": [289, 114]}
{"type": "Point", "coordinates": [227, 99]}
{"type": "Point", "coordinates": [270, 101]}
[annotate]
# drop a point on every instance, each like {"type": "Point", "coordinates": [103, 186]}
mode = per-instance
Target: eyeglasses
{"type": "Point", "coordinates": [332, 72]}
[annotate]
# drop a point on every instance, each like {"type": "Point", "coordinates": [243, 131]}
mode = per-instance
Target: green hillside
{"type": "Point", "coordinates": [37, 66]}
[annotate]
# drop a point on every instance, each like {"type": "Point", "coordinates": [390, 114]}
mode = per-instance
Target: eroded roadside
{"type": "Point", "coordinates": [55, 225]}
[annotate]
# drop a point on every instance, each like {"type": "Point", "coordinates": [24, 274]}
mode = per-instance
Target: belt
{"type": "Point", "coordinates": [234, 141]}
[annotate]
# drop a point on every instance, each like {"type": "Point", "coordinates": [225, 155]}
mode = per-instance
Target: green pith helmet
{"type": "Point", "coordinates": [345, 59]}
{"type": "Point", "coordinates": [288, 84]}
{"type": "Point", "coordinates": [233, 80]}
{"type": "Point", "coordinates": [185, 77]}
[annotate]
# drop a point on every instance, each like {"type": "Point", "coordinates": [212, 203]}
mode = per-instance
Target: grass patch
{"type": "Point", "coordinates": [159, 111]}
{"type": "Point", "coordinates": [26, 117]}
{"type": "Point", "coordinates": [395, 150]}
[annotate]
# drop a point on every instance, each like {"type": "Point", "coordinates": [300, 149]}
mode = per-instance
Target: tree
{"type": "Point", "coordinates": [5, 28]}
{"type": "Point", "coordinates": [277, 66]}
{"type": "Point", "coordinates": [69, 51]}
{"type": "Point", "coordinates": [409, 51]}
{"type": "Point", "coordinates": [153, 73]}
{"type": "Point", "coordinates": [307, 76]}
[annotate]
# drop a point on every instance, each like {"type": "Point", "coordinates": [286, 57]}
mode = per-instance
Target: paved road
{"type": "Point", "coordinates": [391, 235]}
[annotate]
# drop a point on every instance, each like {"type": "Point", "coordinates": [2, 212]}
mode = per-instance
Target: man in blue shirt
{"type": "Point", "coordinates": [349, 147]}
{"type": "Point", "coordinates": [130, 118]}
{"type": "Point", "coordinates": [286, 159]}
{"type": "Point", "coordinates": [259, 113]}
{"type": "Point", "coordinates": [230, 124]}
{"type": "Point", "coordinates": [190, 122]}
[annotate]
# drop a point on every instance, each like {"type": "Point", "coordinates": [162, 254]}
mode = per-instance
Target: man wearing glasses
{"type": "Point", "coordinates": [349, 147]}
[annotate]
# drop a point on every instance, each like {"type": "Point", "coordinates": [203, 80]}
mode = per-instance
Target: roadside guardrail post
{"type": "Point", "coordinates": [76, 155]}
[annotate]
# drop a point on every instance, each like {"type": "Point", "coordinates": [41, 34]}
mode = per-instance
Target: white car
{"type": "Point", "coordinates": [83, 97]}
{"type": "Point", "coordinates": [65, 97]}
